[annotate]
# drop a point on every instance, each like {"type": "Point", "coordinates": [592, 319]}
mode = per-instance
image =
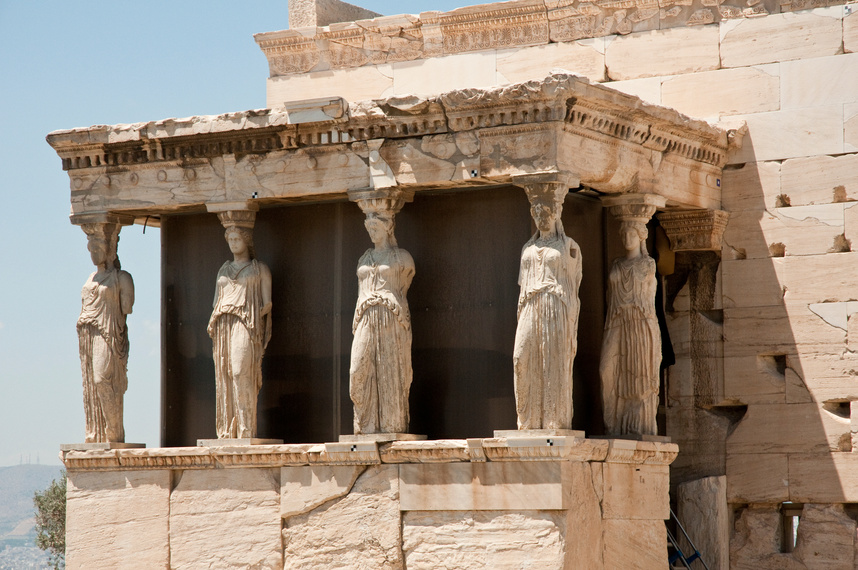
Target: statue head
{"type": "Point", "coordinates": [380, 226]}
{"type": "Point", "coordinates": [239, 240]}
{"type": "Point", "coordinates": [546, 209]}
{"type": "Point", "coordinates": [102, 240]}
{"type": "Point", "coordinates": [634, 234]}
{"type": "Point", "coordinates": [239, 230]}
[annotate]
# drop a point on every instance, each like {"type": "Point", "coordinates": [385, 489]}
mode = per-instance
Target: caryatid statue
{"type": "Point", "coordinates": [631, 345]}
{"type": "Point", "coordinates": [240, 328]}
{"type": "Point", "coordinates": [107, 297]}
{"type": "Point", "coordinates": [548, 307]}
{"type": "Point", "coordinates": [380, 371]}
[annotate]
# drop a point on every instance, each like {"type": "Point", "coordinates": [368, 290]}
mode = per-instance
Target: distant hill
{"type": "Point", "coordinates": [17, 485]}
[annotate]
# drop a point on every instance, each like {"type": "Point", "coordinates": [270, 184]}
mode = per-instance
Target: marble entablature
{"type": "Point", "coordinates": [609, 141]}
{"type": "Point", "coordinates": [519, 23]}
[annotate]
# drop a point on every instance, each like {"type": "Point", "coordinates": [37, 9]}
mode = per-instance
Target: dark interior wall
{"type": "Point", "coordinates": [466, 247]}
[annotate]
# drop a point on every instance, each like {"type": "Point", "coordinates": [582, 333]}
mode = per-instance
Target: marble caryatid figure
{"type": "Point", "coordinates": [548, 307]}
{"type": "Point", "coordinates": [380, 371]}
{"type": "Point", "coordinates": [631, 346]}
{"type": "Point", "coordinates": [240, 327]}
{"type": "Point", "coordinates": [107, 297]}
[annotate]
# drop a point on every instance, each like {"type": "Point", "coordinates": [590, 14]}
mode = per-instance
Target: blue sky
{"type": "Point", "coordinates": [74, 64]}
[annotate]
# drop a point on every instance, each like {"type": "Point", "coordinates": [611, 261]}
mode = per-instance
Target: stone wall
{"type": "Point", "coordinates": [521, 40]}
{"type": "Point", "coordinates": [563, 502]}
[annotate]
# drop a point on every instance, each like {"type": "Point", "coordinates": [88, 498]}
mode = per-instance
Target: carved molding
{"type": "Point", "coordinates": [389, 200]}
{"type": "Point", "coordinates": [466, 137]}
{"type": "Point", "coordinates": [694, 230]}
{"type": "Point", "coordinates": [371, 453]}
{"type": "Point", "coordinates": [633, 207]}
{"type": "Point", "coordinates": [587, 110]}
{"type": "Point", "coordinates": [546, 188]}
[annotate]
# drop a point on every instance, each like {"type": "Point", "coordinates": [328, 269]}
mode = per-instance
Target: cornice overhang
{"type": "Point", "coordinates": [609, 141]}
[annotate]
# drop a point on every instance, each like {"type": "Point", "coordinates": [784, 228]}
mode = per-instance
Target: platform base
{"type": "Point", "coordinates": [508, 433]}
{"type": "Point", "coordinates": [229, 442]}
{"type": "Point", "coordinates": [100, 446]}
{"type": "Point", "coordinates": [635, 437]}
{"type": "Point", "coordinates": [380, 437]}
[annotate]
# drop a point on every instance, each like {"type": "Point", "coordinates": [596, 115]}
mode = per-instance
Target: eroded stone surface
{"type": "Point", "coordinates": [783, 428]}
{"type": "Point", "coordinates": [791, 133]}
{"type": "Point", "coordinates": [820, 179]}
{"type": "Point", "coordinates": [703, 511]}
{"type": "Point", "coordinates": [360, 530]}
{"type": "Point", "coordinates": [759, 478]}
{"type": "Point", "coordinates": [781, 37]}
{"type": "Point", "coordinates": [724, 91]}
{"type": "Point", "coordinates": [753, 186]}
{"type": "Point", "coordinates": [634, 544]}
{"type": "Point", "coordinates": [635, 492]}
{"type": "Point", "coordinates": [211, 512]}
{"type": "Point", "coordinates": [305, 488]}
{"type": "Point", "coordinates": [323, 12]}
{"type": "Point", "coordinates": [826, 537]}
{"type": "Point", "coordinates": [533, 485]}
{"type": "Point", "coordinates": [484, 539]}
{"type": "Point", "coordinates": [649, 54]}
{"type": "Point", "coordinates": [118, 519]}
{"type": "Point", "coordinates": [756, 541]}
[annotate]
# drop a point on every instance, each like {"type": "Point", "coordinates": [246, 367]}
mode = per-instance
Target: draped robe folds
{"type": "Point", "coordinates": [239, 335]}
{"type": "Point", "coordinates": [546, 335]}
{"type": "Point", "coordinates": [380, 371]}
{"type": "Point", "coordinates": [631, 349]}
{"type": "Point", "coordinates": [103, 339]}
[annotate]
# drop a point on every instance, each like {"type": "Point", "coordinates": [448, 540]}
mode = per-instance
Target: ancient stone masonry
{"type": "Point", "coordinates": [519, 23]}
{"type": "Point", "coordinates": [479, 503]}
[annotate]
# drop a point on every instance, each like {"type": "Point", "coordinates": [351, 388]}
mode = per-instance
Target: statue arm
{"type": "Point", "coordinates": [126, 292]}
{"type": "Point", "coordinates": [407, 268]}
{"type": "Point", "coordinates": [265, 278]}
{"type": "Point", "coordinates": [577, 262]}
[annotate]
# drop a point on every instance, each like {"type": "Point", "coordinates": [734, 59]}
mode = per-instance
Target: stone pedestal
{"type": "Point", "coordinates": [477, 503]}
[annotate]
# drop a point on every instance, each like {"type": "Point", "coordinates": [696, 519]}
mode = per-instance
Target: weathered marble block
{"type": "Point", "coordinates": [635, 491]}
{"type": "Point", "coordinates": [703, 511]}
{"type": "Point", "coordinates": [360, 530]}
{"type": "Point", "coordinates": [118, 519]}
{"type": "Point", "coordinates": [212, 513]}
{"type": "Point", "coordinates": [533, 485]}
{"type": "Point", "coordinates": [484, 539]}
